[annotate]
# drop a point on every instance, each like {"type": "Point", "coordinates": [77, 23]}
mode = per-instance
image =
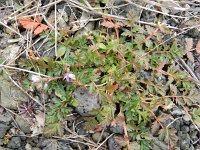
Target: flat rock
{"type": "Point", "coordinates": [87, 101]}
{"type": "Point", "coordinates": [177, 112]}
{"type": "Point", "coordinates": [11, 52]}
{"type": "Point", "coordinates": [112, 144]}
{"type": "Point", "coordinates": [64, 146]}
{"type": "Point", "coordinates": [10, 95]}
{"type": "Point", "coordinates": [159, 144]}
{"type": "Point", "coordinates": [3, 129]}
{"type": "Point", "coordinates": [5, 118]}
{"type": "Point", "coordinates": [184, 141]}
{"type": "Point", "coordinates": [23, 124]}
{"type": "Point", "coordinates": [14, 143]}
{"type": "Point", "coordinates": [2, 148]}
{"type": "Point", "coordinates": [50, 144]}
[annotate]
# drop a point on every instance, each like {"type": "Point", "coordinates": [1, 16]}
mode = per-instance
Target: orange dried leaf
{"type": "Point", "coordinates": [31, 54]}
{"type": "Point", "coordinates": [198, 47]}
{"type": "Point", "coordinates": [28, 23]}
{"type": "Point", "coordinates": [38, 19]}
{"type": "Point", "coordinates": [99, 128]}
{"type": "Point", "coordinates": [108, 24]}
{"type": "Point", "coordinates": [111, 88]}
{"type": "Point", "coordinates": [40, 29]}
{"type": "Point", "coordinates": [119, 24]}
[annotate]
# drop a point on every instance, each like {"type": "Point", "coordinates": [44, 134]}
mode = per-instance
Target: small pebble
{"type": "Point", "coordinates": [96, 136]}
{"type": "Point", "coordinates": [185, 129]}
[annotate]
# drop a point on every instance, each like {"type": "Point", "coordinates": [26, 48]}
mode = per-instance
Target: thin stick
{"type": "Point", "coordinates": [173, 122]}
{"type": "Point", "coordinates": [15, 68]}
{"type": "Point", "coordinates": [104, 141]}
{"type": "Point", "coordinates": [142, 7]}
{"type": "Point", "coordinates": [3, 24]}
{"type": "Point", "coordinates": [115, 16]}
{"type": "Point", "coordinates": [27, 5]}
{"type": "Point", "coordinates": [56, 33]}
{"type": "Point", "coordinates": [23, 90]}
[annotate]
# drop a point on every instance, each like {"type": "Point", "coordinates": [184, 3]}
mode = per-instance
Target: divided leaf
{"type": "Point", "coordinates": [168, 135]}
{"type": "Point", "coordinates": [54, 129]}
{"type": "Point", "coordinates": [30, 24]}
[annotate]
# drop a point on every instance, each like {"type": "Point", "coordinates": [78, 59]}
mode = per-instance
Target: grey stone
{"type": "Point", "coordinates": [105, 135]}
{"type": "Point", "coordinates": [42, 46]}
{"type": "Point", "coordinates": [2, 148]}
{"type": "Point", "coordinates": [15, 142]}
{"type": "Point", "coordinates": [51, 145]}
{"type": "Point", "coordinates": [123, 11]}
{"type": "Point", "coordinates": [3, 129]}
{"type": "Point", "coordinates": [186, 119]}
{"type": "Point", "coordinates": [23, 124]}
{"type": "Point", "coordinates": [3, 38]}
{"type": "Point", "coordinates": [33, 141]}
{"type": "Point", "coordinates": [112, 145]}
{"type": "Point", "coordinates": [28, 146]}
{"type": "Point", "coordinates": [197, 147]}
{"type": "Point", "coordinates": [184, 141]}
{"type": "Point", "coordinates": [157, 143]}
{"type": "Point", "coordinates": [185, 129]}
{"type": "Point", "coordinates": [177, 125]}
{"type": "Point", "coordinates": [6, 118]}
{"type": "Point", "coordinates": [10, 52]}
{"type": "Point", "coordinates": [96, 136]}
{"type": "Point", "coordinates": [36, 148]}
{"type": "Point", "coordinates": [191, 147]}
{"type": "Point", "coordinates": [87, 102]}
{"type": "Point", "coordinates": [86, 30]}
{"type": "Point", "coordinates": [192, 127]}
{"type": "Point", "coordinates": [193, 134]}
{"type": "Point", "coordinates": [1, 142]}
{"type": "Point", "coordinates": [117, 129]}
{"type": "Point", "coordinates": [177, 112]}
{"type": "Point", "coordinates": [62, 145]}
{"type": "Point", "coordinates": [10, 95]}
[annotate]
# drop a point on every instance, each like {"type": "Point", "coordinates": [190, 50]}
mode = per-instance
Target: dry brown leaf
{"type": "Point", "coordinates": [112, 88]}
{"type": "Point", "coordinates": [38, 126]}
{"type": "Point", "coordinates": [119, 120]}
{"type": "Point", "coordinates": [190, 56]}
{"type": "Point", "coordinates": [40, 118]}
{"type": "Point", "coordinates": [189, 44]}
{"type": "Point", "coordinates": [198, 47]}
{"type": "Point", "coordinates": [173, 89]}
{"type": "Point", "coordinates": [29, 23]}
{"type": "Point", "coordinates": [31, 54]}
{"type": "Point", "coordinates": [120, 140]}
{"type": "Point", "coordinates": [108, 24]}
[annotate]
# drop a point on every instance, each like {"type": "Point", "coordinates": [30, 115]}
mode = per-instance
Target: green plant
{"type": "Point", "coordinates": [123, 71]}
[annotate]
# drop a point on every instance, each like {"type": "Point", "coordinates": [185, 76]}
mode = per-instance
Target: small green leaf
{"type": "Point", "coordinates": [74, 102]}
{"type": "Point", "coordinates": [102, 46]}
{"type": "Point", "coordinates": [61, 51]}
